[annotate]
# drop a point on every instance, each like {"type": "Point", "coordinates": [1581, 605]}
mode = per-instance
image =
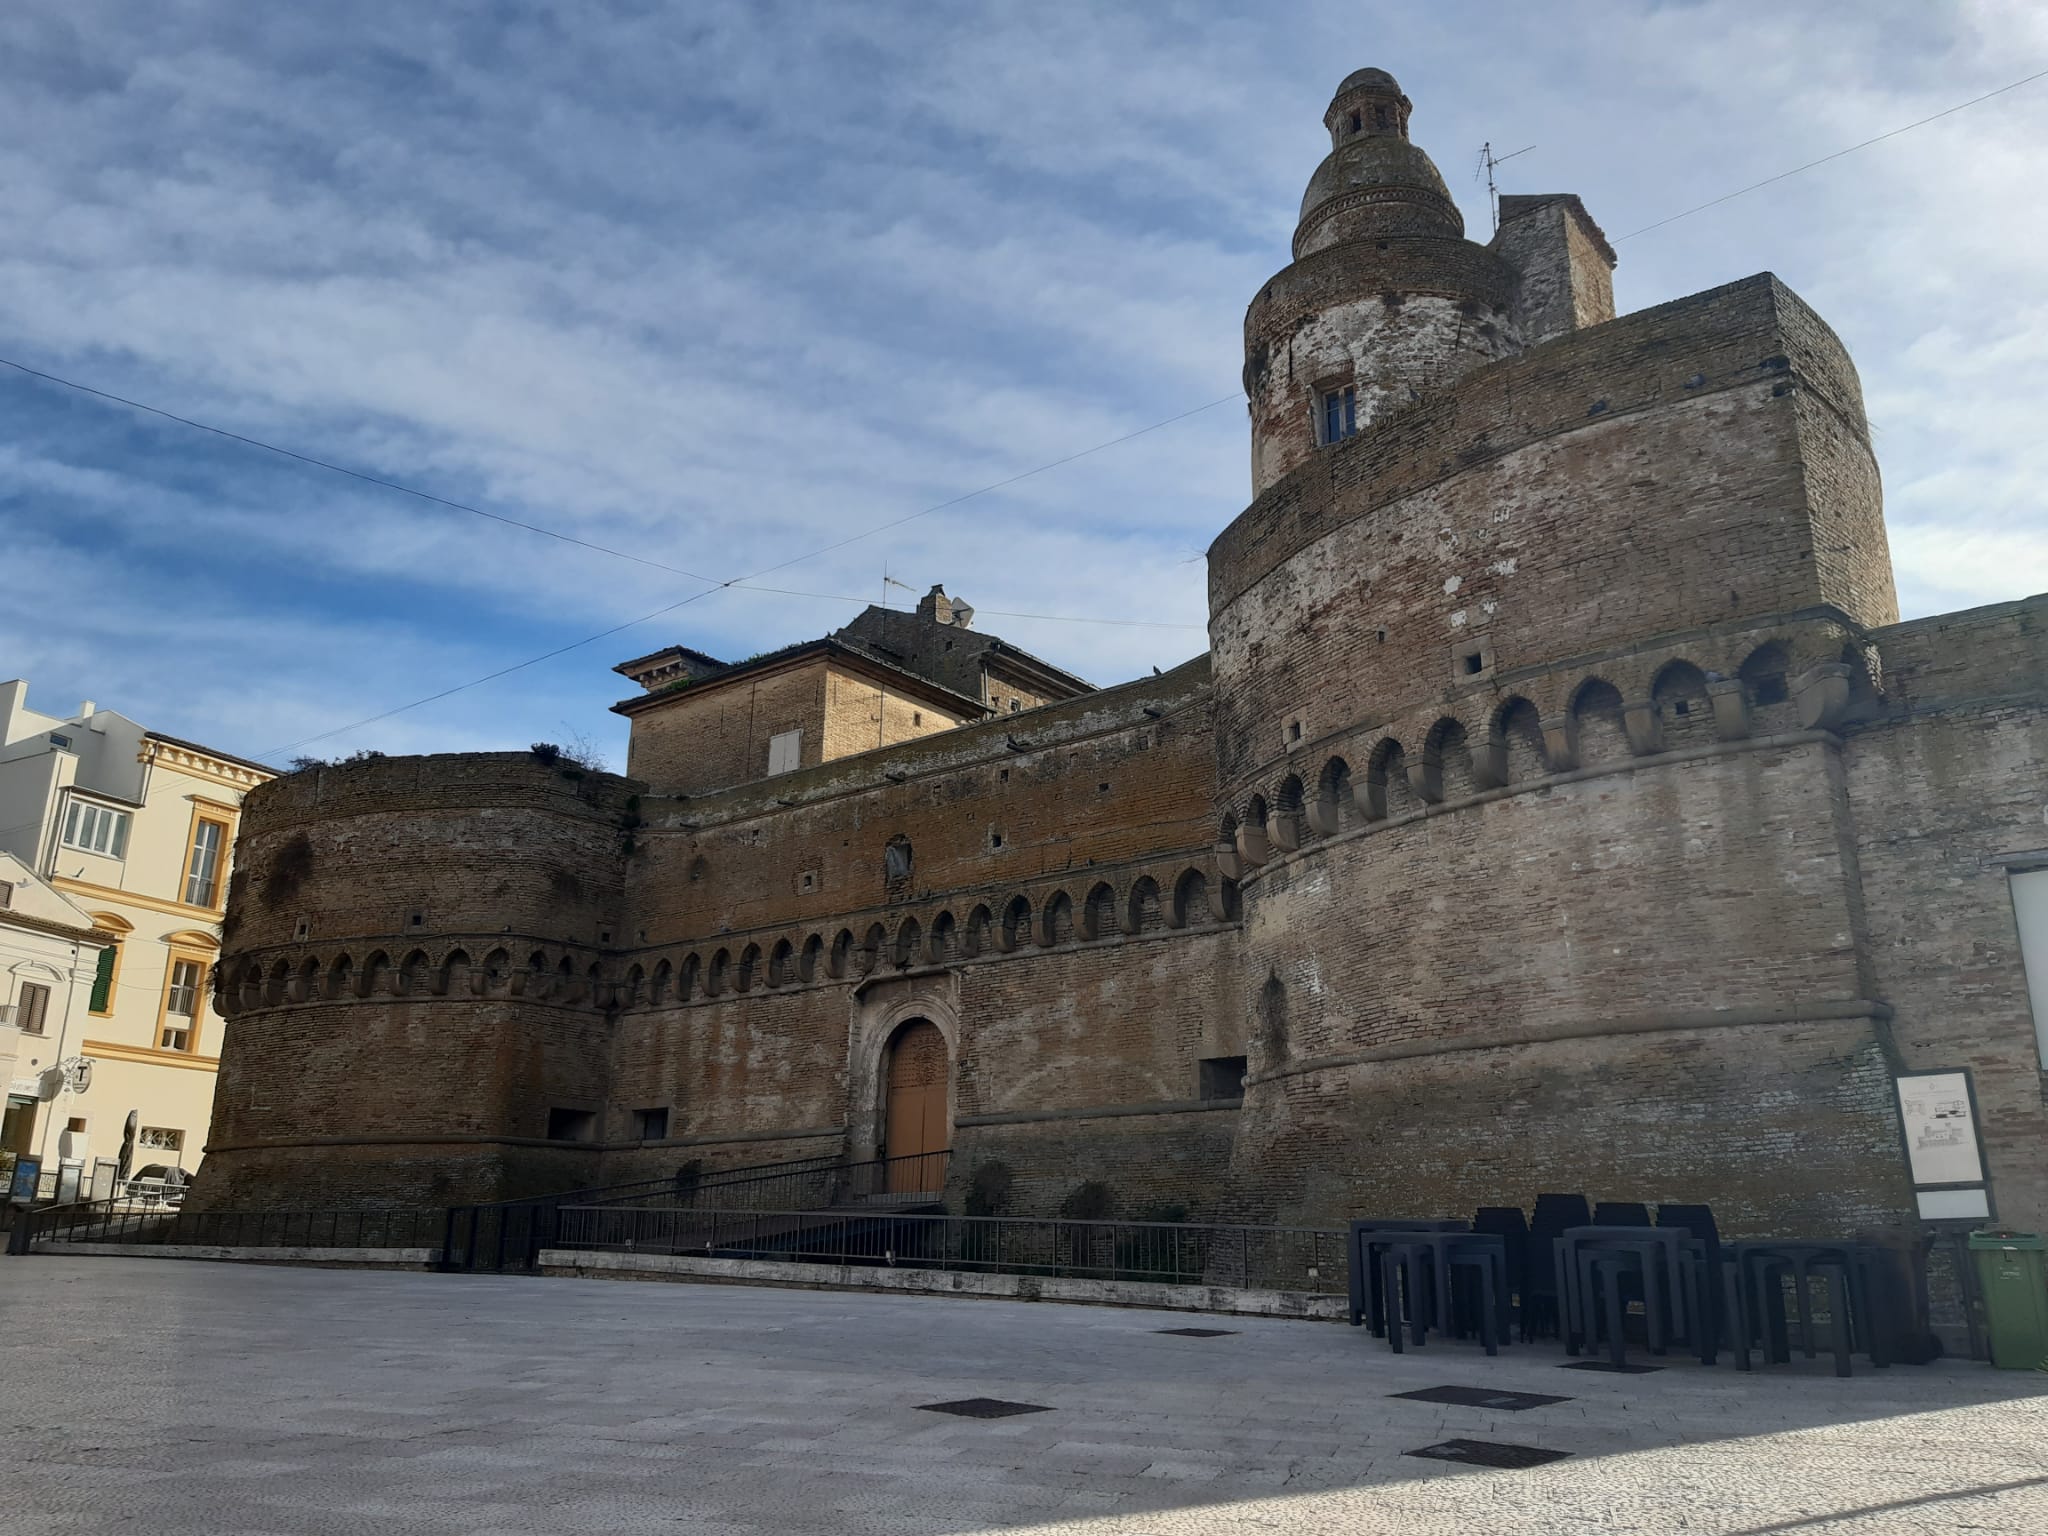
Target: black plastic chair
{"type": "Point", "coordinates": [1542, 1307]}
{"type": "Point", "coordinates": [1621, 1213]}
{"type": "Point", "coordinates": [1509, 1224]}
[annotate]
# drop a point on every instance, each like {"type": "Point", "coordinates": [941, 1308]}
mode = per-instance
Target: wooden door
{"type": "Point", "coordinates": [916, 1121]}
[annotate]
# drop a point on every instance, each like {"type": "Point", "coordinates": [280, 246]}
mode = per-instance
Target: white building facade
{"type": "Point", "coordinates": [134, 830]}
{"type": "Point", "coordinates": [49, 959]}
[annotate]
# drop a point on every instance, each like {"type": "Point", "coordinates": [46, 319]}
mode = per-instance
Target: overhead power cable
{"type": "Point", "coordinates": [343, 469]}
{"type": "Point", "coordinates": [737, 581]}
{"type": "Point", "coordinates": [744, 581]}
{"type": "Point", "coordinates": [1729, 197]}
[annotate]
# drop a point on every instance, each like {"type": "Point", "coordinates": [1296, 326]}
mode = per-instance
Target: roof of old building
{"type": "Point", "coordinates": [834, 645]}
{"type": "Point", "coordinates": [1363, 77]}
{"type": "Point", "coordinates": [952, 654]}
{"type": "Point", "coordinates": [201, 747]}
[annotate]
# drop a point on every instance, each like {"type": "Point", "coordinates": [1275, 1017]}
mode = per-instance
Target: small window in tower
{"type": "Point", "coordinates": [650, 1125]}
{"type": "Point", "coordinates": [1357, 122]}
{"type": "Point", "coordinates": [1340, 414]}
{"type": "Point", "coordinates": [1380, 119]}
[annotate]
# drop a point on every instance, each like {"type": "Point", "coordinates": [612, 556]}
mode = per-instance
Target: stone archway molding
{"type": "Point", "coordinates": [878, 1011]}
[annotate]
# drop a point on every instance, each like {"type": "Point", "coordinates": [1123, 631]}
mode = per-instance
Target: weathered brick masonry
{"type": "Point", "coordinates": [1562, 806]}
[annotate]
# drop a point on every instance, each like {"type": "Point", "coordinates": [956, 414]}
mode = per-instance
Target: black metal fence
{"type": "Point", "coordinates": [824, 1184]}
{"type": "Point", "coordinates": [1173, 1253]}
{"type": "Point", "coordinates": [509, 1234]}
{"type": "Point", "coordinates": [125, 1221]}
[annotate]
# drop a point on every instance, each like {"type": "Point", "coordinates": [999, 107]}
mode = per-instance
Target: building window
{"type": "Point", "coordinates": [181, 1006]}
{"type": "Point", "coordinates": [96, 829]}
{"type": "Point", "coordinates": [785, 751]}
{"type": "Point", "coordinates": [60, 741]}
{"type": "Point", "coordinates": [159, 1138]}
{"type": "Point", "coordinates": [650, 1125]}
{"type": "Point", "coordinates": [6, 893]}
{"type": "Point", "coordinates": [32, 1007]}
{"type": "Point", "coordinates": [1340, 414]}
{"type": "Point", "coordinates": [572, 1125]}
{"type": "Point", "coordinates": [1016, 705]}
{"type": "Point", "coordinates": [1222, 1077]}
{"type": "Point", "coordinates": [202, 866]}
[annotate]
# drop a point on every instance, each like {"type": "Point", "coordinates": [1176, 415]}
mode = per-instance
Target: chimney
{"type": "Point", "coordinates": [937, 608]}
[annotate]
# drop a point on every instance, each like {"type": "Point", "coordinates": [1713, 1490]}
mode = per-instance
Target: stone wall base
{"type": "Point", "coordinates": [329, 1258]}
{"type": "Point", "coordinates": [937, 1282]}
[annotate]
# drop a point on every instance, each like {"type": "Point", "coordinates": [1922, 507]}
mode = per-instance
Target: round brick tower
{"type": "Point", "coordinates": [1529, 655]}
{"type": "Point", "coordinates": [414, 971]}
{"type": "Point", "coordinates": [1385, 297]}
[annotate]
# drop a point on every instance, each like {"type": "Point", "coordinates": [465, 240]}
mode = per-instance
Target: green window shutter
{"type": "Point", "coordinates": [103, 981]}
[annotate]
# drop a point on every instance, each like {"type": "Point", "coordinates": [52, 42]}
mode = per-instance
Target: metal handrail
{"type": "Point", "coordinates": [511, 1233]}
{"type": "Point", "coordinates": [121, 1220]}
{"type": "Point", "coordinates": [1311, 1259]}
{"type": "Point", "coordinates": [673, 1181]}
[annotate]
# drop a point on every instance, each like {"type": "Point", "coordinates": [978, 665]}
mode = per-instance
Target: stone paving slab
{"type": "Point", "coordinates": [229, 1399]}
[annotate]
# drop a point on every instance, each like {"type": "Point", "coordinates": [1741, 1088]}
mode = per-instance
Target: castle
{"type": "Point", "coordinates": [1561, 805]}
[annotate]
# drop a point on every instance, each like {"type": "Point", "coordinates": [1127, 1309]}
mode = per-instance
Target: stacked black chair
{"type": "Point", "coordinates": [1621, 1213]}
{"type": "Point", "coordinates": [1483, 1268]}
{"type": "Point", "coordinates": [1698, 1221]}
{"type": "Point", "coordinates": [1852, 1277]}
{"type": "Point", "coordinates": [1542, 1307]}
{"type": "Point", "coordinates": [1509, 1224]}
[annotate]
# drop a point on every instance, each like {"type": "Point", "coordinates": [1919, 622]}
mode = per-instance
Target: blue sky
{"type": "Point", "coordinates": [722, 283]}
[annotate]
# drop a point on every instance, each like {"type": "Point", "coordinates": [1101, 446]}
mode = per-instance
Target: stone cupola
{"type": "Point", "coordinates": [1385, 300]}
{"type": "Point", "coordinates": [1373, 181]}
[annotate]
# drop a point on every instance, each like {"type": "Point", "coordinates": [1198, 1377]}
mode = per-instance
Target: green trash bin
{"type": "Point", "coordinates": [2012, 1273]}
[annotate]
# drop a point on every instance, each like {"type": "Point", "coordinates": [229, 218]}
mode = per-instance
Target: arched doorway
{"type": "Point", "coordinates": [915, 1131]}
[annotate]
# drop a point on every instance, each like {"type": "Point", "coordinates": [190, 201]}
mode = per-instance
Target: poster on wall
{"type": "Point", "coordinates": [1941, 1128]}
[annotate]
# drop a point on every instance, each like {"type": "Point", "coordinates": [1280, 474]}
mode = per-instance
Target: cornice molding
{"type": "Point", "coordinates": [148, 1056]}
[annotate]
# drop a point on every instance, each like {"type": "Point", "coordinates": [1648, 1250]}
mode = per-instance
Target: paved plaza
{"type": "Point", "coordinates": [161, 1396]}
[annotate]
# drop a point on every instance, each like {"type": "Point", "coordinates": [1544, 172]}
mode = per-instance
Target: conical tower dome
{"type": "Point", "coordinates": [1385, 299]}
{"type": "Point", "coordinates": [1373, 181]}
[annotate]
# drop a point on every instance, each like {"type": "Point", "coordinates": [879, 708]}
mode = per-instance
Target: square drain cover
{"type": "Point", "coordinates": [1200, 1333]}
{"type": "Point", "coordinates": [983, 1408]}
{"type": "Point", "coordinates": [1481, 1397]}
{"type": "Point", "coordinates": [1626, 1368]}
{"type": "Point", "coordinates": [1489, 1453]}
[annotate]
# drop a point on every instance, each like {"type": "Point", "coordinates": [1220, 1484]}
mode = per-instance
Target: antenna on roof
{"type": "Point", "coordinates": [889, 581]}
{"type": "Point", "coordinates": [1487, 161]}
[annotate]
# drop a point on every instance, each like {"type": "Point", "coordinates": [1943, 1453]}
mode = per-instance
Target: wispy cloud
{"type": "Point", "coordinates": [726, 282]}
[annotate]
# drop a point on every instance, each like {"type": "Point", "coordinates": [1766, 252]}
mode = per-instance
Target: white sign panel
{"type": "Point", "coordinates": [1941, 1131]}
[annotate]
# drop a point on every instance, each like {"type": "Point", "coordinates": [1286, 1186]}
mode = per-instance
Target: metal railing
{"type": "Point", "coordinates": [509, 1234]}
{"type": "Point", "coordinates": [917, 1178]}
{"type": "Point", "coordinates": [128, 1221]}
{"type": "Point", "coordinates": [1308, 1259]}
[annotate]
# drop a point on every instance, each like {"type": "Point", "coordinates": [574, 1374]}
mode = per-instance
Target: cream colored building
{"type": "Point", "coordinates": [49, 954]}
{"type": "Point", "coordinates": [134, 829]}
